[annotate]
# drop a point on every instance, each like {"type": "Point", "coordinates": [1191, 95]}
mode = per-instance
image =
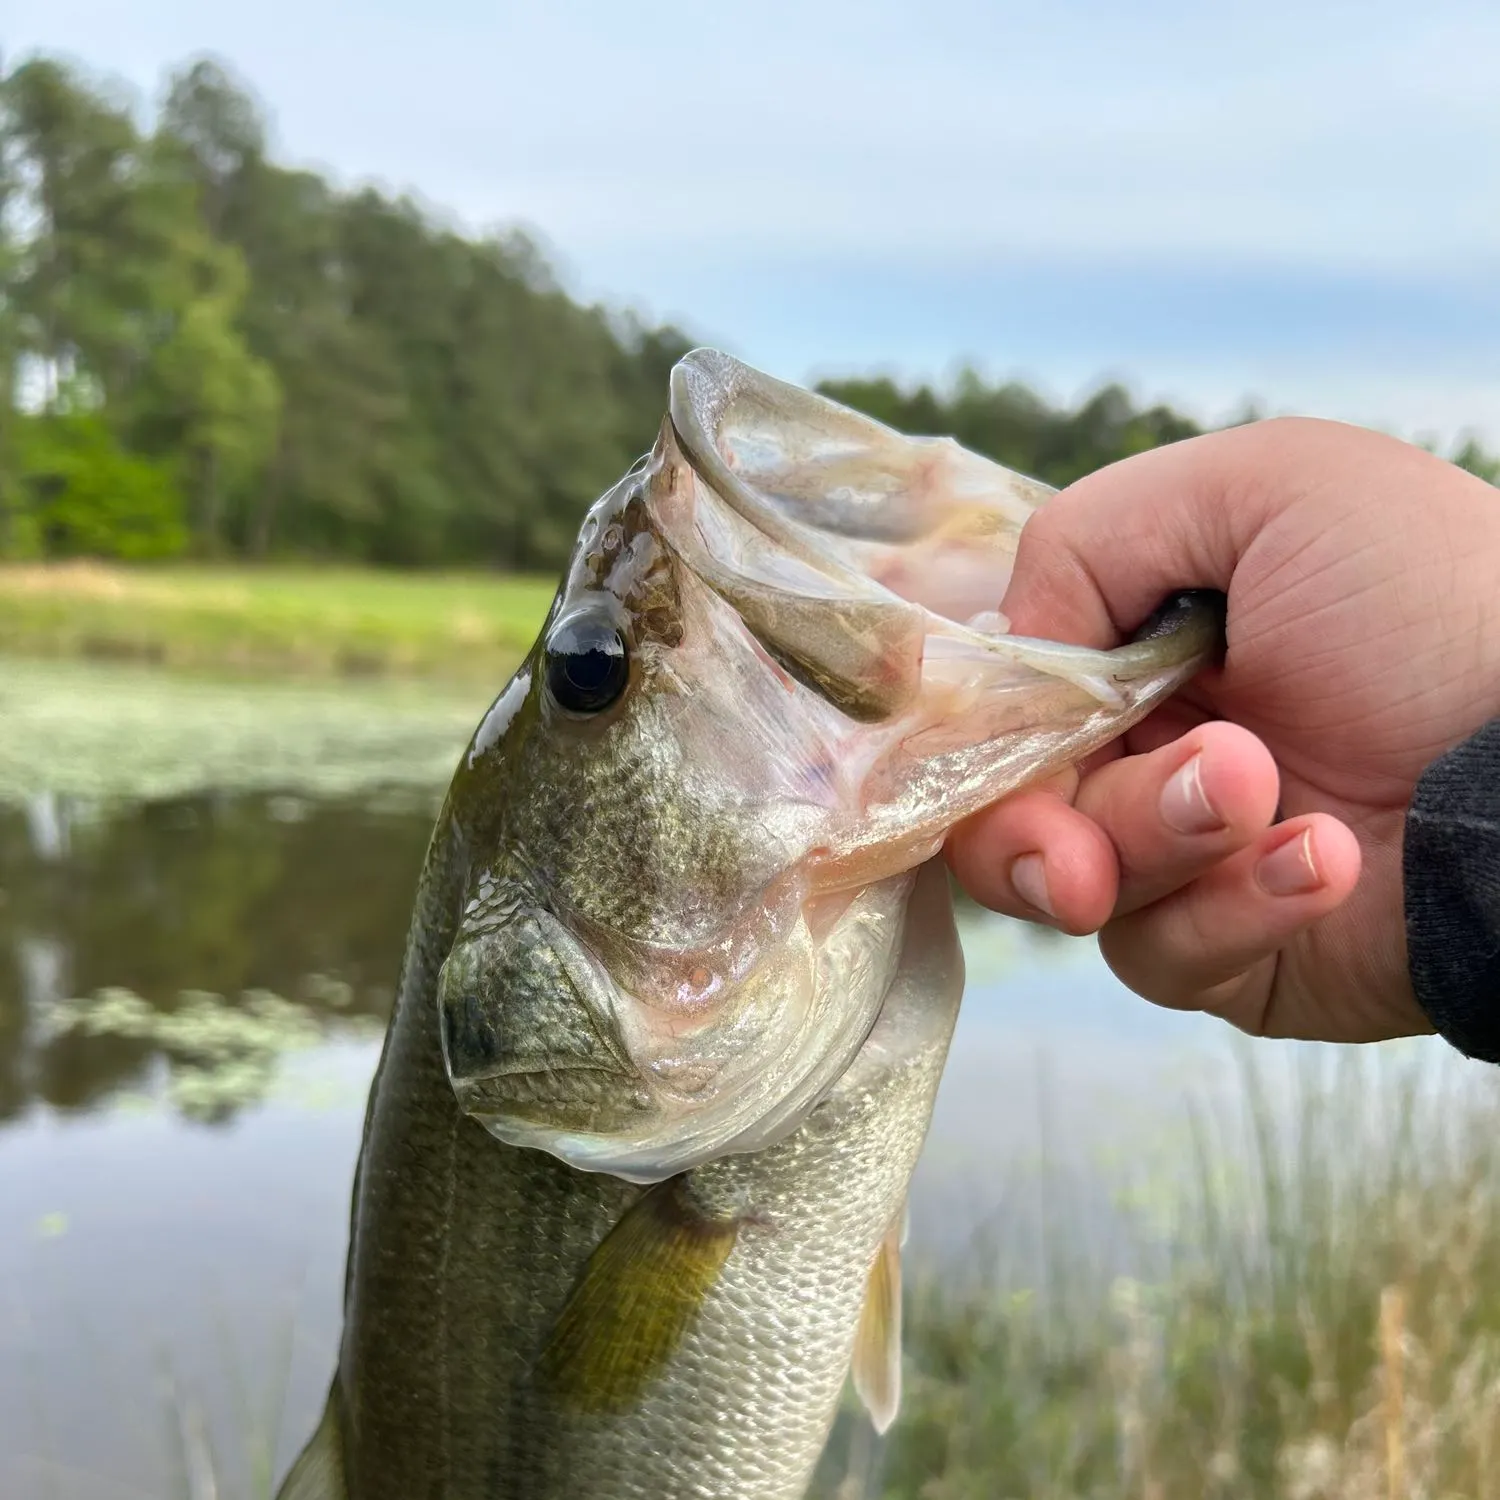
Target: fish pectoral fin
{"type": "Point", "coordinates": [877, 1341]}
{"type": "Point", "coordinates": [318, 1473]}
{"type": "Point", "coordinates": [634, 1300]}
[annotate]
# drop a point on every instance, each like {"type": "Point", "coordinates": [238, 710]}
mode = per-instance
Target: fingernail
{"type": "Point", "coordinates": [1289, 870]}
{"type": "Point", "coordinates": [1185, 807]}
{"type": "Point", "coordinates": [1029, 877]}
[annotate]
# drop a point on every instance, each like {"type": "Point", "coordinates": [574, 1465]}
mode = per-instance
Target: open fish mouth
{"type": "Point", "coordinates": [868, 566]}
{"type": "Point", "coordinates": [775, 678]}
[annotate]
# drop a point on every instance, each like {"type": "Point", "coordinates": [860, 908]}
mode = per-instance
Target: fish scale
{"type": "Point", "coordinates": [766, 1357]}
{"type": "Point", "coordinates": [636, 813]}
{"type": "Point", "coordinates": [682, 971]}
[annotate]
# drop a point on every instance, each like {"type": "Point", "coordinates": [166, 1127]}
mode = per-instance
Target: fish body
{"type": "Point", "coordinates": [682, 971]}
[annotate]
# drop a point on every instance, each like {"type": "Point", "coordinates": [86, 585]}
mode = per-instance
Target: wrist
{"type": "Point", "coordinates": [1451, 879]}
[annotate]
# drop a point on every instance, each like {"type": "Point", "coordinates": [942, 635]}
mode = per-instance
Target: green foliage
{"type": "Point", "coordinates": [440, 397]}
{"type": "Point", "coordinates": [341, 374]}
{"type": "Point", "coordinates": [213, 400]}
{"type": "Point", "coordinates": [80, 493]}
{"type": "Point", "coordinates": [120, 292]}
{"type": "Point", "coordinates": [1472, 457]}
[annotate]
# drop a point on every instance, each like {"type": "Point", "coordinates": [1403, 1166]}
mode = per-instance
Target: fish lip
{"type": "Point", "coordinates": [489, 1086]}
{"type": "Point", "coordinates": [595, 1154]}
{"type": "Point", "coordinates": [509, 1113]}
{"type": "Point", "coordinates": [520, 1067]}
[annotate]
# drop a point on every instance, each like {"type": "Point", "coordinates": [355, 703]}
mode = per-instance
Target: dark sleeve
{"type": "Point", "coordinates": [1452, 874]}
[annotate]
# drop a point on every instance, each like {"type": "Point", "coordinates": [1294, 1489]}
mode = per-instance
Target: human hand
{"type": "Point", "coordinates": [1363, 578]}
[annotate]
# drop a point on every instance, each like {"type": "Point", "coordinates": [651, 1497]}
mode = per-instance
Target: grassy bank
{"type": "Point", "coordinates": [463, 627]}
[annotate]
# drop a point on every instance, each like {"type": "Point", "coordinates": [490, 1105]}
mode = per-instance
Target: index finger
{"type": "Point", "coordinates": [1097, 558]}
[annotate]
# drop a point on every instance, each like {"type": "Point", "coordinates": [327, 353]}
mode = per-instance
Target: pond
{"type": "Point", "coordinates": [204, 892]}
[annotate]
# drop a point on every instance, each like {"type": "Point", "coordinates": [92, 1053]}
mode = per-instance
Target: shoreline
{"type": "Point", "coordinates": [290, 622]}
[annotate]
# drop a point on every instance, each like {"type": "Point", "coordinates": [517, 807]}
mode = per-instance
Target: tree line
{"type": "Point", "coordinates": [203, 351]}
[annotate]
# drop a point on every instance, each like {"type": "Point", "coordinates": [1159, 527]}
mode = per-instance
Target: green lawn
{"type": "Point", "coordinates": [275, 621]}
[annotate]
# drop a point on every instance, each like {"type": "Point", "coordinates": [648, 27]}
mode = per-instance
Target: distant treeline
{"type": "Point", "coordinates": [202, 351]}
{"type": "Point", "coordinates": [1014, 425]}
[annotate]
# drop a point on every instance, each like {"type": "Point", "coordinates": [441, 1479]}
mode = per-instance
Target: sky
{"type": "Point", "coordinates": [1294, 203]}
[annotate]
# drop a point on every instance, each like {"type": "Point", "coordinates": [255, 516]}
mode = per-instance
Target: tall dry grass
{"type": "Point", "coordinates": [1321, 1320]}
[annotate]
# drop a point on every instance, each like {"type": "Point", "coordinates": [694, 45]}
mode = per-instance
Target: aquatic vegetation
{"type": "Point", "coordinates": [220, 1055]}
{"type": "Point", "coordinates": [82, 730]}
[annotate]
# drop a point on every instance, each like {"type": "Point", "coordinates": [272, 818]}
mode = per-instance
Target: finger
{"type": "Point", "coordinates": [1032, 856]}
{"type": "Point", "coordinates": [1100, 556]}
{"type": "Point", "coordinates": [1166, 818]}
{"type": "Point", "coordinates": [1211, 946]}
{"type": "Point", "coordinates": [1174, 813]}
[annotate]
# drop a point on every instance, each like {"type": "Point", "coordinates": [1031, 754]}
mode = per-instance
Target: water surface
{"type": "Point", "coordinates": [201, 924]}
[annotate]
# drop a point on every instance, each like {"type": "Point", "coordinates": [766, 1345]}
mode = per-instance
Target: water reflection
{"type": "Point", "coordinates": [189, 917]}
{"type": "Point", "coordinates": [215, 950]}
{"type": "Point", "coordinates": [230, 959]}
{"type": "Point", "coordinates": [219, 1056]}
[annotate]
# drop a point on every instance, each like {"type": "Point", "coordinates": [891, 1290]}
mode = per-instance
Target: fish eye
{"type": "Point", "coordinates": [587, 664]}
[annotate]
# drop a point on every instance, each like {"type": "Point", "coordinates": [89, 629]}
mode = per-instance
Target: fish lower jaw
{"type": "Point", "coordinates": [582, 1150]}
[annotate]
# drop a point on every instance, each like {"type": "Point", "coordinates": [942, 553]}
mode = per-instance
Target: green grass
{"type": "Point", "coordinates": [463, 627]}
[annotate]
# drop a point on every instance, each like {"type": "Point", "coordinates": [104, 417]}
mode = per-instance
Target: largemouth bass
{"type": "Point", "coordinates": [683, 970]}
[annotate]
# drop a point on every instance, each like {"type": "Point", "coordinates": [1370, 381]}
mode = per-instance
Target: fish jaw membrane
{"type": "Point", "coordinates": [546, 1051]}
{"type": "Point", "coordinates": [868, 564]}
{"type": "Point", "coordinates": [996, 716]}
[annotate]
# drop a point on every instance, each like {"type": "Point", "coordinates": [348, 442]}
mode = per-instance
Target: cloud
{"type": "Point", "coordinates": [1283, 189]}
{"type": "Point", "coordinates": [1338, 133]}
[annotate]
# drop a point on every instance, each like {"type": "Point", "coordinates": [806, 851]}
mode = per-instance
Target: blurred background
{"type": "Point", "coordinates": [319, 329]}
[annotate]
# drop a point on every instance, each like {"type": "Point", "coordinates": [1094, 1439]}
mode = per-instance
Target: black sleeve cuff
{"type": "Point", "coordinates": [1451, 863]}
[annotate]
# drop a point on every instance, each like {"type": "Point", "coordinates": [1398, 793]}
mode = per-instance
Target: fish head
{"type": "Point", "coordinates": [772, 679]}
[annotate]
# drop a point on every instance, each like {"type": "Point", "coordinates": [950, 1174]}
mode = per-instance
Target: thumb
{"type": "Point", "coordinates": [1098, 557]}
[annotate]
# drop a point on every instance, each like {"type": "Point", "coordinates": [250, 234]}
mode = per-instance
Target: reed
{"type": "Point", "coordinates": [1322, 1321]}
